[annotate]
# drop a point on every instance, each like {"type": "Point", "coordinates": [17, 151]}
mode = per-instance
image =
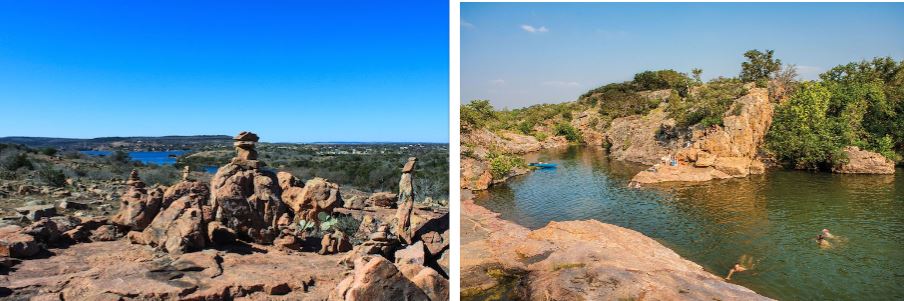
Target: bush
{"type": "Point", "coordinates": [14, 162]}
{"type": "Point", "coordinates": [476, 114]}
{"type": "Point", "coordinates": [708, 105]}
{"type": "Point", "coordinates": [49, 151]}
{"type": "Point", "coordinates": [501, 164]}
{"type": "Point", "coordinates": [662, 79]}
{"type": "Point", "coordinates": [568, 131]}
{"type": "Point", "coordinates": [51, 176]}
{"type": "Point", "coordinates": [802, 134]}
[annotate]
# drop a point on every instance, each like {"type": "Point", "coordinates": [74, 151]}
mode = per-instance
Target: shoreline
{"type": "Point", "coordinates": [565, 260]}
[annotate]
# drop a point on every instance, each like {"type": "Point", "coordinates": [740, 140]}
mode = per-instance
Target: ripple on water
{"type": "Point", "coordinates": [773, 218]}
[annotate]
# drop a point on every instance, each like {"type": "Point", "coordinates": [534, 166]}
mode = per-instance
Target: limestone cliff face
{"type": "Point", "coordinates": [634, 138]}
{"type": "Point", "coordinates": [578, 260]}
{"type": "Point", "coordinates": [721, 151]}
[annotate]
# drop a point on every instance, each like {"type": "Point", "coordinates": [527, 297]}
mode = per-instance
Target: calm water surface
{"type": "Point", "coordinates": [159, 158]}
{"type": "Point", "coordinates": [773, 218]}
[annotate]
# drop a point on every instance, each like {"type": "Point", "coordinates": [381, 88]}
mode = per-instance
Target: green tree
{"type": "Point", "coordinates": [759, 66]}
{"type": "Point", "coordinates": [697, 72]}
{"type": "Point", "coordinates": [802, 134]}
{"type": "Point", "coordinates": [476, 114]}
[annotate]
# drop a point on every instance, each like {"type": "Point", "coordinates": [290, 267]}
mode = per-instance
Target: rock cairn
{"type": "Point", "coordinates": [244, 197]}
{"type": "Point", "coordinates": [406, 201]}
{"type": "Point", "coordinates": [138, 207]}
{"type": "Point", "coordinates": [185, 172]}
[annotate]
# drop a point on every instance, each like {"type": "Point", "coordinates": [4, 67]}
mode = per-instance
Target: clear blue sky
{"type": "Point", "coordinates": [292, 71]}
{"type": "Point", "coordinates": [519, 54]}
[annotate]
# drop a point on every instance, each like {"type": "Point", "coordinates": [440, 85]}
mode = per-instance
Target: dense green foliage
{"type": "Point", "coordinates": [759, 67]}
{"type": "Point", "coordinates": [501, 164]}
{"type": "Point", "coordinates": [476, 114]}
{"type": "Point", "coordinates": [859, 104]}
{"type": "Point", "coordinates": [568, 131]}
{"type": "Point", "coordinates": [663, 79]}
{"type": "Point", "coordinates": [707, 105]}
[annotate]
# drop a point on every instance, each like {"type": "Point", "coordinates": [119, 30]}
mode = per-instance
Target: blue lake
{"type": "Point", "coordinates": [159, 158]}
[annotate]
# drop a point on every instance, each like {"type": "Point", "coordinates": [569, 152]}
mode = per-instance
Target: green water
{"type": "Point", "coordinates": [772, 218]}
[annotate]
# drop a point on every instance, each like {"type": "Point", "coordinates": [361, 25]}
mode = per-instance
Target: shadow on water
{"type": "Point", "coordinates": [772, 218]}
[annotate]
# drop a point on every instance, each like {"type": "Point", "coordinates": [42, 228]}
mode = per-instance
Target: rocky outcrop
{"type": "Point", "coordinates": [720, 152]}
{"type": "Point", "coordinates": [315, 197]}
{"type": "Point", "coordinates": [246, 198]}
{"type": "Point", "coordinates": [178, 229]}
{"type": "Point", "coordinates": [578, 260]}
{"type": "Point", "coordinates": [635, 138]}
{"type": "Point", "coordinates": [138, 207]}
{"type": "Point", "coordinates": [118, 270]}
{"type": "Point", "coordinates": [864, 162]}
{"type": "Point", "coordinates": [197, 191]}
{"type": "Point", "coordinates": [376, 278]}
{"type": "Point", "coordinates": [16, 244]}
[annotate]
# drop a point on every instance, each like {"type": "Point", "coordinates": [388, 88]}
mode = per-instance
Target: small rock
{"type": "Point", "coordinates": [14, 243]}
{"type": "Point", "coordinates": [413, 254]}
{"type": "Point", "coordinates": [36, 212]}
{"type": "Point", "coordinates": [73, 205]}
{"type": "Point", "coordinates": [105, 233]}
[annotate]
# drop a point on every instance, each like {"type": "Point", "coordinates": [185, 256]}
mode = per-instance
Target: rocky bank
{"type": "Point", "coordinates": [577, 260]}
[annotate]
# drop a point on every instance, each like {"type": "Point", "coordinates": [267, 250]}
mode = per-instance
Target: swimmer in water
{"type": "Point", "coordinates": [744, 263]}
{"type": "Point", "coordinates": [826, 234]}
{"type": "Point", "coordinates": [821, 240]}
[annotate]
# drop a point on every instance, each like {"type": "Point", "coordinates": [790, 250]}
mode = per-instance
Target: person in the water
{"type": "Point", "coordinates": [826, 234]}
{"type": "Point", "coordinates": [737, 268]}
{"type": "Point", "coordinates": [744, 263]}
{"type": "Point", "coordinates": [821, 240]}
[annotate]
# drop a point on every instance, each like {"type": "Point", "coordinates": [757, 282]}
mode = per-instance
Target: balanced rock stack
{"type": "Point", "coordinates": [138, 207]}
{"type": "Point", "coordinates": [406, 201]}
{"type": "Point", "coordinates": [244, 148]}
{"type": "Point", "coordinates": [245, 198]}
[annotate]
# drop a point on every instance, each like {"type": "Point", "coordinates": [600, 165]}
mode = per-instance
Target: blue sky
{"type": "Point", "coordinates": [520, 54]}
{"type": "Point", "coordinates": [292, 71]}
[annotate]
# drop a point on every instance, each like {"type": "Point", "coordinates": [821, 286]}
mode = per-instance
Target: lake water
{"type": "Point", "coordinates": [159, 158]}
{"type": "Point", "coordinates": [772, 218]}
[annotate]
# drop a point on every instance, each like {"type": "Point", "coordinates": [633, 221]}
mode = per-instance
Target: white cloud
{"type": "Point", "coordinates": [561, 84]}
{"type": "Point", "coordinates": [531, 29]}
{"type": "Point", "coordinates": [466, 24]}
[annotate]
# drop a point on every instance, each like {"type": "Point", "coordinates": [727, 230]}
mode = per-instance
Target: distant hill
{"type": "Point", "coordinates": [129, 143]}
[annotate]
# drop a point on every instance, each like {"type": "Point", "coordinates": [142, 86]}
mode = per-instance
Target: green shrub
{"type": "Point", "coordinates": [49, 151]}
{"type": "Point", "coordinates": [501, 164]}
{"type": "Point", "coordinates": [51, 176]}
{"type": "Point", "coordinates": [759, 67]}
{"type": "Point", "coordinates": [14, 162]}
{"type": "Point", "coordinates": [708, 105]}
{"type": "Point", "coordinates": [802, 133]}
{"type": "Point", "coordinates": [476, 114]}
{"type": "Point", "coordinates": [568, 131]}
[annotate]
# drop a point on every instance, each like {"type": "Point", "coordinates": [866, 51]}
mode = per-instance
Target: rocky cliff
{"type": "Point", "coordinates": [718, 152]}
{"type": "Point", "coordinates": [577, 260]}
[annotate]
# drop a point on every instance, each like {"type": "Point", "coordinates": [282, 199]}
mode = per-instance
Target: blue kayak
{"type": "Point", "coordinates": [543, 165]}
